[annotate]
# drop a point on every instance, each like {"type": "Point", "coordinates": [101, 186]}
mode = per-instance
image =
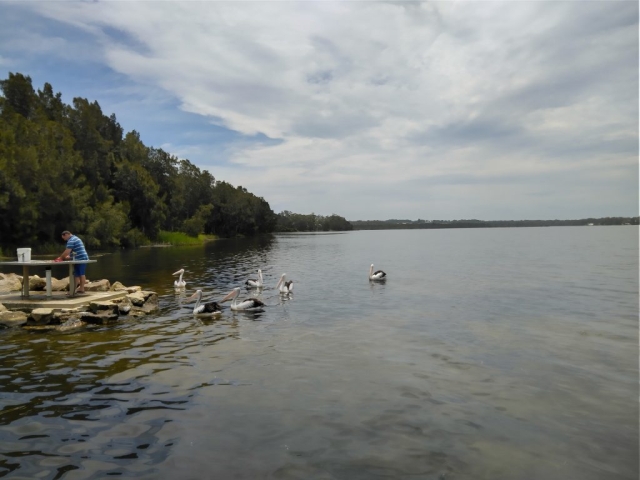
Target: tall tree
{"type": "Point", "coordinates": [19, 96]}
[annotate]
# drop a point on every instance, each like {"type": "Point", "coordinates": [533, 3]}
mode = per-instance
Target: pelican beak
{"type": "Point", "coordinates": [193, 296]}
{"type": "Point", "coordinates": [229, 296]}
{"type": "Point", "coordinates": [177, 273]}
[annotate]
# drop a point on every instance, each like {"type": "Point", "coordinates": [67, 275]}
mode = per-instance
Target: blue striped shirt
{"type": "Point", "coordinates": [77, 248]}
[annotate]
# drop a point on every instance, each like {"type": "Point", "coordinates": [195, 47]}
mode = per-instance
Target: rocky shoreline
{"type": "Point", "coordinates": [134, 302]}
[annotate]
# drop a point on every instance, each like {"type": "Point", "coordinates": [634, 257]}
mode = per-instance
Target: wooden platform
{"type": "Point", "coordinates": [15, 301]}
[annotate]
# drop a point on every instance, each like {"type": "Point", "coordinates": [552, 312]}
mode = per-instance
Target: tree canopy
{"type": "Point", "coordinates": [73, 167]}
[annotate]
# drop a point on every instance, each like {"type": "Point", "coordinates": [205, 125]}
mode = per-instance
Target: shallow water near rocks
{"type": "Point", "coordinates": [488, 353]}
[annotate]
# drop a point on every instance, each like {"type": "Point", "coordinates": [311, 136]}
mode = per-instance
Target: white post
{"type": "Point", "coordinates": [72, 282]}
{"type": "Point", "coordinates": [48, 282]}
{"type": "Point", "coordinates": [25, 281]}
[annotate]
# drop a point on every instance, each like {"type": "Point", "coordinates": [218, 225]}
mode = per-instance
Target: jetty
{"type": "Point", "coordinates": [101, 304]}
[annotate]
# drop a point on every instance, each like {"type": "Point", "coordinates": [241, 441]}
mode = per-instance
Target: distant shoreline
{"type": "Point", "coordinates": [440, 224]}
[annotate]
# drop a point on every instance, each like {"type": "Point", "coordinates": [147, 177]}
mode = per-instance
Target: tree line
{"type": "Point", "coordinates": [296, 222]}
{"type": "Point", "coordinates": [434, 224]}
{"type": "Point", "coordinates": [73, 167]}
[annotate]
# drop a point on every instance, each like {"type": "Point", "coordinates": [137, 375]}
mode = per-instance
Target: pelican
{"type": "Point", "coordinates": [248, 304]}
{"type": "Point", "coordinates": [253, 283]}
{"type": "Point", "coordinates": [377, 275]}
{"type": "Point", "coordinates": [204, 309]}
{"type": "Point", "coordinates": [284, 286]}
{"type": "Point", "coordinates": [180, 283]}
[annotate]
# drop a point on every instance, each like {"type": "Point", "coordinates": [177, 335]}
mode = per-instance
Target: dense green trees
{"type": "Point", "coordinates": [296, 222]}
{"type": "Point", "coordinates": [70, 167]}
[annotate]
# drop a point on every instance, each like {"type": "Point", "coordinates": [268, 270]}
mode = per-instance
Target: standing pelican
{"type": "Point", "coordinates": [248, 304]}
{"type": "Point", "coordinates": [209, 308]}
{"type": "Point", "coordinates": [253, 283]}
{"type": "Point", "coordinates": [180, 283]}
{"type": "Point", "coordinates": [284, 286]}
{"type": "Point", "coordinates": [377, 275]}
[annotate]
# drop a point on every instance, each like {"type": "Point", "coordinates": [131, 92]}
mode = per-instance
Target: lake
{"type": "Point", "coordinates": [487, 354]}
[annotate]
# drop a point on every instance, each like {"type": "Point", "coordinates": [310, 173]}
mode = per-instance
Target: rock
{"type": "Point", "coordinates": [13, 319]}
{"type": "Point", "coordinates": [41, 316]}
{"type": "Point", "coordinates": [137, 303]}
{"type": "Point", "coordinates": [99, 319]}
{"type": "Point", "coordinates": [60, 317]}
{"type": "Point", "coordinates": [124, 305]}
{"type": "Point", "coordinates": [117, 287]}
{"type": "Point", "coordinates": [98, 286]}
{"type": "Point", "coordinates": [137, 298]}
{"type": "Point", "coordinates": [95, 307]}
{"type": "Point", "coordinates": [10, 282]}
{"type": "Point", "coordinates": [137, 312]}
{"type": "Point", "coordinates": [144, 309]}
{"type": "Point", "coordinates": [71, 324]}
{"type": "Point", "coordinates": [59, 285]}
{"type": "Point", "coordinates": [144, 302]}
{"type": "Point", "coordinates": [150, 296]}
{"type": "Point", "coordinates": [36, 283]}
{"type": "Point", "coordinates": [41, 328]}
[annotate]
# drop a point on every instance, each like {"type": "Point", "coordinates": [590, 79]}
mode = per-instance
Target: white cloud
{"type": "Point", "coordinates": [378, 107]}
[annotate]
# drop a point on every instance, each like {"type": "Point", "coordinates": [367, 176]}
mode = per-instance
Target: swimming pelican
{"type": "Point", "coordinates": [253, 283]}
{"type": "Point", "coordinates": [204, 309]}
{"type": "Point", "coordinates": [377, 275]}
{"type": "Point", "coordinates": [284, 286]}
{"type": "Point", "coordinates": [180, 283]}
{"type": "Point", "coordinates": [248, 304]}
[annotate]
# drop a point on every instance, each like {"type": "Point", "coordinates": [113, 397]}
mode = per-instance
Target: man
{"type": "Point", "coordinates": [75, 245]}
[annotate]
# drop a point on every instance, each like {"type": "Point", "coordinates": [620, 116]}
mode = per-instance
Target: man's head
{"type": "Point", "coordinates": [66, 234]}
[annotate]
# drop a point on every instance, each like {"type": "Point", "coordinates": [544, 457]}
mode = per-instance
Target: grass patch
{"type": "Point", "coordinates": [180, 238]}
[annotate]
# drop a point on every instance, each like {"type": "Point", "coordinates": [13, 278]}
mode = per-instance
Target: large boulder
{"type": "Point", "coordinates": [149, 304]}
{"type": "Point", "coordinates": [117, 287]}
{"type": "Point", "coordinates": [10, 282]}
{"type": "Point", "coordinates": [59, 285]}
{"type": "Point", "coordinates": [13, 319]}
{"type": "Point", "coordinates": [97, 286]}
{"type": "Point", "coordinates": [37, 284]}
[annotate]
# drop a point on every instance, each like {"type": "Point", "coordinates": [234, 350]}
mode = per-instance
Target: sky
{"type": "Point", "coordinates": [370, 110]}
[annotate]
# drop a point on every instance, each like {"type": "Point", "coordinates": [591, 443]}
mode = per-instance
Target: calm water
{"type": "Point", "coordinates": [488, 354]}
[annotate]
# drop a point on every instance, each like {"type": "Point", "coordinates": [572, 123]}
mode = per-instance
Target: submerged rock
{"type": "Point", "coordinates": [99, 319]}
{"type": "Point", "coordinates": [71, 324]}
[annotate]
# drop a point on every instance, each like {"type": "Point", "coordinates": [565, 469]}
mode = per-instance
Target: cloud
{"type": "Point", "coordinates": [379, 109]}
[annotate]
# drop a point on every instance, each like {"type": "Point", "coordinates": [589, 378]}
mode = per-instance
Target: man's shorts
{"type": "Point", "coordinates": [79, 269]}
